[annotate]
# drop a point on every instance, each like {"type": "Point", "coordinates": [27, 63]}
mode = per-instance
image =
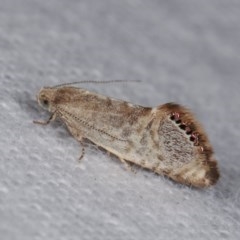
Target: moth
{"type": "Point", "coordinates": [167, 139]}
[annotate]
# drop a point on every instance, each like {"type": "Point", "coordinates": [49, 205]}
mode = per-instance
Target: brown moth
{"type": "Point", "coordinates": [167, 139]}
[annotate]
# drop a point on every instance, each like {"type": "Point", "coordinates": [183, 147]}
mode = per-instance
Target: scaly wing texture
{"type": "Point", "coordinates": [186, 146]}
{"type": "Point", "coordinates": [176, 144]}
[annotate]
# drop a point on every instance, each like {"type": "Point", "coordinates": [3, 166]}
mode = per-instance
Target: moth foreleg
{"type": "Point", "coordinates": [52, 118]}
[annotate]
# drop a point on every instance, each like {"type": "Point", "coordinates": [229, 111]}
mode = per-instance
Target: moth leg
{"type": "Point", "coordinates": [82, 151]}
{"type": "Point", "coordinates": [127, 165]}
{"type": "Point", "coordinates": [52, 118]}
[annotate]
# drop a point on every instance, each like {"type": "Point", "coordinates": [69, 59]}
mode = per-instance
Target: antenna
{"type": "Point", "coordinates": [95, 82]}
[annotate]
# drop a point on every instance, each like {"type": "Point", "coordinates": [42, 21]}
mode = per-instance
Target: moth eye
{"type": "Point", "coordinates": [45, 102]}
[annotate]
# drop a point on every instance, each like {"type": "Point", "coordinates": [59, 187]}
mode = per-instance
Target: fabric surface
{"type": "Point", "coordinates": [183, 51]}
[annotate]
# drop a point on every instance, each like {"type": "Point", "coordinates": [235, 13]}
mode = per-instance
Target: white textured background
{"type": "Point", "coordinates": [185, 51]}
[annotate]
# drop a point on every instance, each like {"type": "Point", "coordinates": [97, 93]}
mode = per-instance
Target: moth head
{"type": "Point", "coordinates": [45, 97]}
